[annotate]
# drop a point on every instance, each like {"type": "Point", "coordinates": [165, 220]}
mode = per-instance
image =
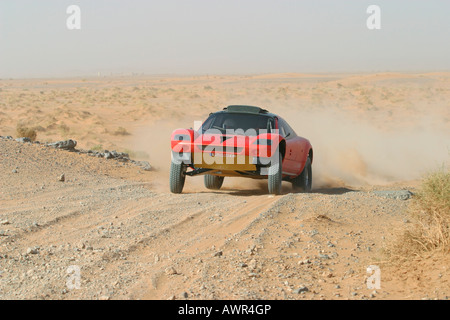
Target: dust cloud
{"type": "Point", "coordinates": [354, 152]}
{"type": "Point", "coordinates": [347, 152]}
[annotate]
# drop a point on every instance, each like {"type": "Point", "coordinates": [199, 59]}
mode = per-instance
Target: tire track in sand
{"type": "Point", "coordinates": [189, 239]}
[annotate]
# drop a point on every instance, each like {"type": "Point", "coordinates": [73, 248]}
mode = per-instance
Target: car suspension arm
{"type": "Point", "coordinates": [197, 171]}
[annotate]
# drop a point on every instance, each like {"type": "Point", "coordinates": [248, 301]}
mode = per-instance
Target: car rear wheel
{"type": "Point", "coordinates": [177, 177]}
{"type": "Point", "coordinates": [303, 182]}
{"type": "Point", "coordinates": [213, 182]}
{"type": "Point", "coordinates": [275, 175]}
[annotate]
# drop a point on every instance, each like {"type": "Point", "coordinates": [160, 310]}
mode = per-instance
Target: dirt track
{"type": "Point", "coordinates": [132, 239]}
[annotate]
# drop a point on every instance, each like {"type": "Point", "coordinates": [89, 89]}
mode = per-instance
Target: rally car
{"type": "Point", "coordinates": [241, 141]}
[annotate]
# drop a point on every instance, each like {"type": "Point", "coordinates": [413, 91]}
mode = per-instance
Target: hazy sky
{"type": "Point", "coordinates": [221, 36]}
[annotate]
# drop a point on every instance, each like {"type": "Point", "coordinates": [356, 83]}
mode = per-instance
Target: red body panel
{"type": "Point", "coordinates": [296, 151]}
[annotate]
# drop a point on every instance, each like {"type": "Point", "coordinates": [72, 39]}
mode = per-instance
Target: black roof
{"type": "Point", "coordinates": [246, 109]}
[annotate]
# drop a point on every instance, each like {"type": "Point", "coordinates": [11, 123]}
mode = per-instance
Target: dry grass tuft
{"type": "Point", "coordinates": [429, 231]}
{"type": "Point", "coordinates": [121, 132]}
{"type": "Point", "coordinates": [26, 132]}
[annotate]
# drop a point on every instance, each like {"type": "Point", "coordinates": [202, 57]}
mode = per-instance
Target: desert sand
{"type": "Point", "coordinates": [132, 239]}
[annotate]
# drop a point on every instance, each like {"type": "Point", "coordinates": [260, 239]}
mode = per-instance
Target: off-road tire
{"type": "Point", "coordinates": [275, 176]}
{"type": "Point", "coordinates": [213, 182]}
{"type": "Point", "coordinates": [177, 177]}
{"type": "Point", "coordinates": [303, 182]}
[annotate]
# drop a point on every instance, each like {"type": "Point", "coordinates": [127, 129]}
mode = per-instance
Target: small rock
{"type": "Point", "coordinates": [253, 264]}
{"type": "Point", "coordinates": [14, 171]}
{"type": "Point", "coordinates": [396, 194]}
{"type": "Point", "coordinates": [108, 155]}
{"type": "Point", "coordinates": [144, 165]}
{"type": "Point", "coordinates": [62, 178]}
{"type": "Point", "coordinates": [4, 222]}
{"type": "Point", "coordinates": [170, 271]}
{"type": "Point", "coordinates": [65, 145]}
{"type": "Point", "coordinates": [301, 290]}
{"type": "Point", "coordinates": [103, 298]}
{"type": "Point", "coordinates": [32, 251]}
{"type": "Point", "coordinates": [218, 254]}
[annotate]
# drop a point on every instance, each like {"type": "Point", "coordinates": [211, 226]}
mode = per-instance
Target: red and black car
{"type": "Point", "coordinates": [242, 141]}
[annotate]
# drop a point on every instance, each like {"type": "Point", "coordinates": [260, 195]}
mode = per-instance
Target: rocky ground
{"type": "Point", "coordinates": [79, 226]}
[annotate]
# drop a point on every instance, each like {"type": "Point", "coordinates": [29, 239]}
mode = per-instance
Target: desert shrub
{"type": "Point", "coordinates": [121, 132]}
{"type": "Point", "coordinates": [429, 229]}
{"type": "Point", "coordinates": [26, 132]}
{"type": "Point", "coordinates": [97, 147]}
{"type": "Point", "coordinates": [432, 212]}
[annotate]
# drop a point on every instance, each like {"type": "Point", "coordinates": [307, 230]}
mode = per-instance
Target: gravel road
{"type": "Point", "coordinates": [112, 230]}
